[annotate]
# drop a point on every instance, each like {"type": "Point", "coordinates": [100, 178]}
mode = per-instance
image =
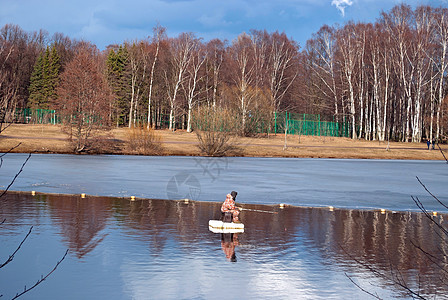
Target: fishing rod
{"type": "Point", "coordinates": [257, 210]}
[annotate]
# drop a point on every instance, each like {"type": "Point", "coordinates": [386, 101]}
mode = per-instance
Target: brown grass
{"type": "Point", "coordinates": [51, 139]}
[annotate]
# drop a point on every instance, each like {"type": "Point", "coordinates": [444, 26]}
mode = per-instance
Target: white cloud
{"type": "Point", "coordinates": [341, 5]}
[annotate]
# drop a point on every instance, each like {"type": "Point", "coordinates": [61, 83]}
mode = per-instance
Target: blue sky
{"type": "Point", "coordinates": [105, 22]}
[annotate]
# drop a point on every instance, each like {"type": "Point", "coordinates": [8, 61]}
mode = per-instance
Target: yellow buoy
{"type": "Point", "coordinates": [383, 211]}
{"type": "Point", "coordinates": [331, 208]}
{"type": "Point", "coordinates": [83, 195]}
{"type": "Point", "coordinates": [186, 200]}
{"type": "Point", "coordinates": [282, 205]}
{"type": "Point", "coordinates": [132, 198]}
{"type": "Point", "coordinates": [33, 193]}
{"type": "Point", "coordinates": [434, 213]}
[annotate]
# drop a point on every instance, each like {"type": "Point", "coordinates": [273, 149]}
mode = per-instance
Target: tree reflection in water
{"type": "Point", "coordinates": [174, 231]}
{"type": "Point", "coordinates": [81, 222]}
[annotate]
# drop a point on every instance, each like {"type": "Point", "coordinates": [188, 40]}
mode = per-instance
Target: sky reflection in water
{"type": "Point", "coordinates": [160, 249]}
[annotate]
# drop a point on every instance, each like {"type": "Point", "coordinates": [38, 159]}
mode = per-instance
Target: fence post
{"type": "Point", "coordinates": [318, 125]}
{"type": "Point", "coordinates": [275, 122]}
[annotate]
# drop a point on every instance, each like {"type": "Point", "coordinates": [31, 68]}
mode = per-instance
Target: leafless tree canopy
{"type": "Point", "coordinates": [388, 78]}
{"type": "Point", "coordinates": [84, 98]}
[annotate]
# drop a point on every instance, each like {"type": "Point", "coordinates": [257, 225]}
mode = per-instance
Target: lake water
{"type": "Point", "coordinates": [163, 249]}
{"type": "Point", "coordinates": [160, 249]}
{"type": "Point", "coordinates": [341, 183]}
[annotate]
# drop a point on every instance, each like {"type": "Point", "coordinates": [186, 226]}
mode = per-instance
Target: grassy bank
{"type": "Point", "coordinates": [51, 139]}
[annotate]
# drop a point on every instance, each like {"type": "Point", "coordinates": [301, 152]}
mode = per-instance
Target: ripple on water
{"type": "Point", "coordinates": [164, 250]}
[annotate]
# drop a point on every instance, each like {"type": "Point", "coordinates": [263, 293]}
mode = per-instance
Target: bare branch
{"type": "Point", "coordinates": [423, 209]}
{"type": "Point", "coordinates": [9, 151]}
{"type": "Point", "coordinates": [11, 257]}
{"type": "Point", "coordinates": [41, 279]}
{"type": "Point", "coordinates": [440, 202]}
{"type": "Point", "coordinates": [359, 287]}
{"type": "Point", "coordinates": [442, 153]}
{"type": "Point", "coordinates": [395, 279]}
{"type": "Point", "coordinates": [15, 177]}
{"type": "Point", "coordinates": [431, 257]}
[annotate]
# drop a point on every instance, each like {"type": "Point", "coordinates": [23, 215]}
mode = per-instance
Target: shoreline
{"type": "Point", "coordinates": [38, 138]}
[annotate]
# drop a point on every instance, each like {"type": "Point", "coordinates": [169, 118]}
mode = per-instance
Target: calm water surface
{"type": "Point", "coordinates": [162, 249]}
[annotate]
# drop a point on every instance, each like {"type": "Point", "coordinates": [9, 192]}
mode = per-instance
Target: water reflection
{"type": "Point", "coordinates": [297, 252]}
{"type": "Point", "coordinates": [81, 222]}
{"type": "Point", "coordinates": [228, 243]}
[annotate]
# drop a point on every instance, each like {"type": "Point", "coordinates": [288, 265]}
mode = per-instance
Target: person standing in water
{"type": "Point", "coordinates": [229, 210]}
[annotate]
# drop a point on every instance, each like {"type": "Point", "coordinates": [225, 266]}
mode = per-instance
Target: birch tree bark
{"type": "Point", "coordinates": [324, 46]}
{"type": "Point", "coordinates": [181, 51]}
{"type": "Point", "coordinates": [245, 75]}
{"type": "Point", "coordinates": [348, 51]}
{"type": "Point", "coordinates": [441, 60]}
{"type": "Point", "coordinates": [198, 58]}
{"type": "Point", "coordinates": [398, 24]}
{"type": "Point", "coordinates": [282, 59]}
{"type": "Point", "coordinates": [215, 58]}
{"type": "Point", "coordinates": [159, 34]}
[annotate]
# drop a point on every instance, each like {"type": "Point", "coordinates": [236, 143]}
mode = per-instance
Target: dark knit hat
{"type": "Point", "coordinates": [233, 193]}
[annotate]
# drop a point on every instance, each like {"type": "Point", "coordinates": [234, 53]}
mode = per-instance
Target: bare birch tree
{"type": "Point", "coordinates": [138, 71]}
{"type": "Point", "coordinates": [181, 52]}
{"type": "Point", "coordinates": [193, 77]}
{"type": "Point", "coordinates": [282, 68]}
{"type": "Point", "coordinates": [440, 61]}
{"type": "Point", "coordinates": [381, 73]}
{"type": "Point", "coordinates": [348, 51]}
{"type": "Point", "coordinates": [397, 23]}
{"type": "Point", "coordinates": [216, 50]}
{"type": "Point", "coordinates": [323, 47]}
{"type": "Point", "coordinates": [241, 53]}
{"type": "Point", "coordinates": [159, 34]}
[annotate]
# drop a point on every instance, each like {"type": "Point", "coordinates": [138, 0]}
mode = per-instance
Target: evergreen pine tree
{"type": "Point", "coordinates": [36, 83]}
{"type": "Point", "coordinates": [44, 79]}
{"type": "Point", "coordinates": [117, 78]}
{"type": "Point", "coordinates": [54, 69]}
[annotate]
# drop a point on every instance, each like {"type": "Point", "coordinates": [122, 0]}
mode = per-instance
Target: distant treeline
{"type": "Point", "coordinates": [388, 78]}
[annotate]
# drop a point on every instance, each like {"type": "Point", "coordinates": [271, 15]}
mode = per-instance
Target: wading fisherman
{"type": "Point", "coordinates": [229, 211]}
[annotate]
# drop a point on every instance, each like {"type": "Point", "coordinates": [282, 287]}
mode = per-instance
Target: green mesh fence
{"type": "Point", "coordinates": [294, 123]}
{"type": "Point", "coordinates": [307, 124]}
{"type": "Point", "coordinates": [36, 116]}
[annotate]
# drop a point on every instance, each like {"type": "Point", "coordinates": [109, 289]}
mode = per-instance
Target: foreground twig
{"type": "Point", "coordinates": [441, 151]}
{"type": "Point", "coordinates": [392, 278]}
{"type": "Point", "coordinates": [423, 209]}
{"type": "Point", "coordinates": [1, 125]}
{"type": "Point", "coordinates": [431, 257]}
{"type": "Point", "coordinates": [9, 151]}
{"type": "Point", "coordinates": [437, 199]}
{"type": "Point", "coordinates": [359, 287]}
{"type": "Point", "coordinates": [15, 177]}
{"type": "Point", "coordinates": [11, 257]}
{"type": "Point", "coordinates": [25, 290]}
